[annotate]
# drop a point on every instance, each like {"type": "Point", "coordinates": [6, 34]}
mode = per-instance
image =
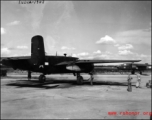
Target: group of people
{"type": "Point", "coordinates": [130, 77]}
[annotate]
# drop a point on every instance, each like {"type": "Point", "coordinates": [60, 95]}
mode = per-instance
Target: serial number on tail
{"type": "Point", "coordinates": [31, 1]}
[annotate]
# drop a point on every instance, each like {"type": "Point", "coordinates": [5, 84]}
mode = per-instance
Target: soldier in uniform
{"type": "Point", "coordinates": [138, 80]}
{"type": "Point", "coordinates": [91, 78]}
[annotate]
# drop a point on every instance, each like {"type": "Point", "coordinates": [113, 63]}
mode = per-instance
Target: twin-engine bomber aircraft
{"type": "Point", "coordinates": [39, 62]}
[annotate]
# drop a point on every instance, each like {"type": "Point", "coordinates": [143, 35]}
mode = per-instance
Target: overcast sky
{"type": "Point", "coordinates": [84, 29]}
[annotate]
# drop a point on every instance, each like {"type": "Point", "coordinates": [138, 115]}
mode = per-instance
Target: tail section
{"type": "Point", "coordinates": [37, 50]}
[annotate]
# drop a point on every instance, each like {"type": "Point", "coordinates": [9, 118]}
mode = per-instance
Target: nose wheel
{"type": "Point", "coordinates": [42, 78]}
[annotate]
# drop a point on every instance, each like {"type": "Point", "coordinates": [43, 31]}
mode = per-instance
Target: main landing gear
{"type": "Point", "coordinates": [42, 78]}
{"type": "Point", "coordinates": [80, 78]}
{"type": "Point", "coordinates": [133, 72]}
{"type": "Point", "coordinates": [29, 75]}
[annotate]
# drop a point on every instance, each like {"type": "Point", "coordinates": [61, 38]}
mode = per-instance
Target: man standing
{"type": "Point", "coordinates": [91, 78]}
{"type": "Point", "coordinates": [138, 80]}
{"type": "Point", "coordinates": [129, 89]}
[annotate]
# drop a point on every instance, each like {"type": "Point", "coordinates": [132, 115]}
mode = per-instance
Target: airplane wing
{"type": "Point", "coordinates": [94, 61]}
{"type": "Point", "coordinates": [73, 62]}
{"type": "Point", "coordinates": [15, 58]}
{"type": "Point", "coordinates": [3, 59]}
{"type": "Point", "coordinates": [105, 61]}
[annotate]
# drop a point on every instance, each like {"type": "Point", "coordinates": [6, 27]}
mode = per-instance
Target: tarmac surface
{"type": "Point", "coordinates": [61, 98]}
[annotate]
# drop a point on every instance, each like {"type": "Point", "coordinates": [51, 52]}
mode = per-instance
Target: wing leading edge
{"type": "Point", "coordinates": [16, 58]}
{"type": "Point", "coordinates": [95, 61]}
{"type": "Point", "coordinates": [105, 61]}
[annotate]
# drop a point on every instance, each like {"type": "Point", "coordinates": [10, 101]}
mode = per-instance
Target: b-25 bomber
{"type": "Point", "coordinates": [39, 62]}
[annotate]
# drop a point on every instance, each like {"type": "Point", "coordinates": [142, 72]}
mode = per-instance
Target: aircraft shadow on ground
{"type": "Point", "coordinates": [63, 83]}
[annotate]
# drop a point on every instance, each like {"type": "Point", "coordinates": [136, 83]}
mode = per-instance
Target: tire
{"type": "Point", "coordinates": [79, 80]}
{"type": "Point", "coordinates": [147, 85]}
{"type": "Point", "coordinates": [42, 78]}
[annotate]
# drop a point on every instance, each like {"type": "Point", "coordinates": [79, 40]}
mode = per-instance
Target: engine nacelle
{"type": "Point", "coordinates": [73, 68]}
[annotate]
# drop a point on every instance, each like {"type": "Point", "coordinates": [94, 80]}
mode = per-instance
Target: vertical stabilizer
{"type": "Point", "coordinates": [37, 50]}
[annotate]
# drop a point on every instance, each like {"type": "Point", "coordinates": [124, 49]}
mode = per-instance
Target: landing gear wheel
{"type": "Point", "coordinates": [42, 78]}
{"type": "Point", "coordinates": [79, 80]}
{"type": "Point", "coordinates": [147, 85]}
{"type": "Point", "coordinates": [29, 75]}
{"type": "Point", "coordinates": [132, 72]}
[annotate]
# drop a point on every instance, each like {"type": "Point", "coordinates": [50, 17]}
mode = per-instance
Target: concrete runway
{"type": "Point", "coordinates": [61, 98]}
